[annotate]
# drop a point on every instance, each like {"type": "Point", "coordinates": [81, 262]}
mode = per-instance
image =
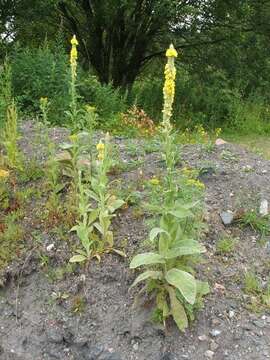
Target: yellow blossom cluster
{"type": "Point", "coordinates": [197, 183]}
{"type": "Point", "coordinates": [101, 151]}
{"type": "Point", "coordinates": [3, 173]}
{"type": "Point", "coordinates": [74, 52]}
{"type": "Point", "coordinates": [169, 85]}
{"type": "Point", "coordinates": [154, 181]}
{"type": "Point", "coordinates": [43, 101]}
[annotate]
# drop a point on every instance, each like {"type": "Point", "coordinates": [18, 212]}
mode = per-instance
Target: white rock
{"type": "Point", "coordinates": [215, 332]}
{"type": "Point", "coordinates": [203, 338]}
{"type": "Point", "coordinates": [50, 247]}
{"type": "Point", "coordinates": [264, 207]}
{"type": "Point", "coordinates": [209, 354]}
{"type": "Point", "coordinates": [231, 314]}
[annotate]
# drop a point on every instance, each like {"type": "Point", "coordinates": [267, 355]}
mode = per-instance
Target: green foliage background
{"type": "Point", "coordinates": [223, 68]}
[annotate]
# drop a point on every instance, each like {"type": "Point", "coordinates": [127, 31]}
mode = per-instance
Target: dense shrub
{"type": "Point", "coordinates": [40, 73]}
{"type": "Point", "coordinates": [208, 99]}
{"type": "Point", "coordinates": [107, 100]}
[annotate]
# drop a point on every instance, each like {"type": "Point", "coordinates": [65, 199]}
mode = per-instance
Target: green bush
{"type": "Point", "coordinates": [40, 73]}
{"type": "Point", "coordinates": [108, 101]}
{"type": "Point", "coordinates": [208, 99]}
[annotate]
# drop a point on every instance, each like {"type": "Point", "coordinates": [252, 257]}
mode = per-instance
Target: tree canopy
{"type": "Point", "coordinates": [119, 37]}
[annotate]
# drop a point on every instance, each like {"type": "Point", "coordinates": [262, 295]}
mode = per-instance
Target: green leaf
{"type": "Point", "coordinates": [155, 232]}
{"type": "Point", "coordinates": [146, 259]}
{"type": "Point", "coordinates": [66, 146]}
{"type": "Point", "coordinates": [184, 282]}
{"type": "Point", "coordinates": [190, 248]}
{"type": "Point", "coordinates": [178, 311]}
{"type": "Point", "coordinates": [93, 215]}
{"type": "Point", "coordinates": [181, 213]}
{"type": "Point", "coordinates": [77, 258]}
{"type": "Point", "coordinates": [92, 195]}
{"type": "Point", "coordinates": [119, 252]}
{"type": "Point", "coordinates": [114, 205]}
{"type": "Point", "coordinates": [146, 275]}
{"type": "Point", "coordinates": [202, 288]}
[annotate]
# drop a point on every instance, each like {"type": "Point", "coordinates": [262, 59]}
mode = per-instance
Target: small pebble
{"type": "Point", "coordinates": [50, 247]}
{"type": "Point", "coordinates": [203, 337]}
{"type": "Point", "coordinates": [209, 354]}
{"type": "Point", "coordinates": [215, 332]}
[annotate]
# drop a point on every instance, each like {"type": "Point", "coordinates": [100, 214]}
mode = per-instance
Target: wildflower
{"type": "Point", "coordinates": [74, 53]}
{"type": "Point", "coordinates": [171, 52]}
{"type": "Point", "coordinates": [100, 146]}
{"type": "Point", "coordinates": [101, 151]}
{"type": "Point", "coordinates": [169, 87]}
{"type": "Point", "coordinates": [73, 137]}
{"type": "Point", "coordinates": [4, 173]}
{"type": "Point", "coordinates": [74, 41]}
{"type": "Point", "coordinates": [43, 101]}
{"type": "Point", "coordinates": [197, 183]}
{"type": "Point", "coordinates": [90, 108]}
{"type": "Point", "coordinates": [217, 132]}
{"type": "Point", "coordinates": [154, 181]}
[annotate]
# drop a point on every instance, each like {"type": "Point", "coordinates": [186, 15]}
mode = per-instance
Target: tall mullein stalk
{"type": "Point", "coordinates": [169, 151]}
{"type": "Point", "coordinates": [73, 71]}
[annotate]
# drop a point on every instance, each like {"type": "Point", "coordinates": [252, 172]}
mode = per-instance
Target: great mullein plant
{"type": "Point", "coordinates": [13, 159]}
{"type": "Point", "coordinates": [168, 272]}
{"type": "Point", "coordinates": [73, 112]}
{"type": "Point", "coordinates": [96, 209]}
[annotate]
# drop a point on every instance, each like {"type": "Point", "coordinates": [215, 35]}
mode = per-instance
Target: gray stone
{"type": "Point", "coordinates": [264, 207]}
{"type": "Point", "coordinates": [226, 217]}
{"type": "Point", "coordinates": [209, 354]}
{"type": "Point", "coordinates": [168, 356]}
{"type": "Point", "coordinates": [215, 332]}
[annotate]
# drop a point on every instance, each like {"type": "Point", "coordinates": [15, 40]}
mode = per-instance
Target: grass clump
{"type": "Point", "coordinates": [226, 245]}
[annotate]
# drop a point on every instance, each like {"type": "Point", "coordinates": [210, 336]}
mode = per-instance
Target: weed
{"type": "Point", "coordinates": [10, 139]}
{"type": "Point", "coordinates": [251, 283]}
{"type": "Point", "coordinates": [228, 155]}
{"type": "Point", "coordinates": [257, 222]}
{"type": "Point", "coordinates": [225, 245]}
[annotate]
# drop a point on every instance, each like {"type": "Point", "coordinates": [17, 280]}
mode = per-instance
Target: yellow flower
{"type": "Point", "coordinates": [73, 54]}
{"type": "Point", "coordinates": [218, 131]}
{"type": "Point", "coordinates": [90, 108]}
{"type": "Point", "coordinates": [171, 52]}
{"type": "Point", "coordinates": [169, 88]}
{"type": "Point", "coordinates": [43, 100]}
{"type": "Point", "coordinates": [100, 146]}
{"type": "Point", "coordinates": [198, 184]}
{"type": "Point", "coordinates": [154, 181]}
{"type": "Point", "coordinates": [4, 173]}
{"type": "Point", "coordinates": [101, 156]}
{"type": "Point", "coordinates": [73, 137]}
{"type": "Point", "coordinates": [74, 41]}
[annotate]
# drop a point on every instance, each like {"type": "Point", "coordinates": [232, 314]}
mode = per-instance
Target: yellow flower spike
{"type": "Point", "coordinates": [169, 88]}
{"type": "Point", "coordinates": [74, 41]}
{"type": "Point", "coordinates": [74, 53]}
{"type": "Point", "coordinates": [171, 52]}
{"type": "Point", "coordinates": [4, 173]}
{"type": "Point", "coordinates": [101, 156]}
{"type": "Point", "coordinates": [100, 146]}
